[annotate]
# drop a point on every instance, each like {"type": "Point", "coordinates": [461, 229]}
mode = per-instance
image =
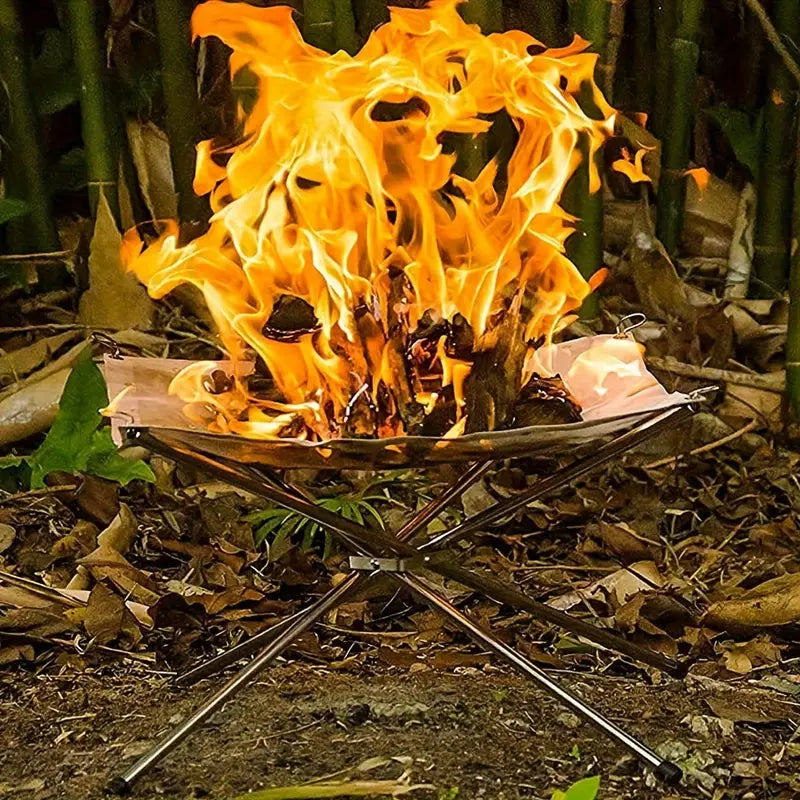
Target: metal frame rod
{"type": "Point", "coordinates": [365, 541]}
{"type": "Point", "coordinates": [122, 784]}
{"type": "Point", "coordinates": [619, 445]}
{"type": "Point", "coordinates": [255, 643]}
{"type": "Point", "coordinates": [665, 769]}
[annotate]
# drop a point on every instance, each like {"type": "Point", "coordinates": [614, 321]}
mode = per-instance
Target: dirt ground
{"type": "Point", "coordinates": [488, 733]}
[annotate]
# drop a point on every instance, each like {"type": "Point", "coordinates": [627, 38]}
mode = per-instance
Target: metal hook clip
{"type": "Point", "coordinates": [107, 343]}
{"type": "Point", "coordinates": [630, 322]}
{"type": "Point", "coordinates": [699, 395]}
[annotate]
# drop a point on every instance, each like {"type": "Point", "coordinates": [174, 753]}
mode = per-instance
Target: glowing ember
{"type": "Point", "coordinates": [346, 251]}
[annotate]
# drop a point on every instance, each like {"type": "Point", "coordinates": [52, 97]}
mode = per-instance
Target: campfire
{"type": "Point", "coordinates": [364, 281]}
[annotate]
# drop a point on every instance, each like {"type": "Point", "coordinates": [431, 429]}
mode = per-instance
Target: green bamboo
{"type": "Point", "coordinates": [97, 126]}
{"type": "Point", "coordinates": [24, 161]}
{"type": "Point", "coordinates": [793, 329]}
{"type": "Point", "coordinates": [473, 151]}
{"type": "Point", "coordinates": [773, 220]}
{"type": "Point", "coordinates": [589, 19]}
{"type": "Point", "coordinates": [642, 55]}
{"type": "Point", "coordinates": [664, 22]}
{"type": "Point", "coordinates": [369, 14]}
{"type": "Point", "coordinates": [542, 20]}
{"type": "Point", "coordinates": [179, 86]}
{"type": "Point", "coordinates": [677, 137]}
{"type": "Point", "coordinates": [330, 25]}
{"type": "Point", "coordinates": [488, 14]}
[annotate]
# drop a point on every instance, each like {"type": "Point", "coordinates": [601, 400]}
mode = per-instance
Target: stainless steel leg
{"type": "Point", "coordinates": [246, 648]}
{"type": "Point", "coordinates": [122, 784]}
{"type": "Point", "coordinates": [665, 769]}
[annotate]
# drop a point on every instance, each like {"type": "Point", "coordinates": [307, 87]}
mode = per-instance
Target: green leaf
{"type": "Point", "coordinates": [741, 132]}
{"type": "Point", "coordinates": [11, 208]}
{"type": "Point", "coordinates": [106, 462]}
{"type": "Point", "coordinates": [584, 789]}
{"type": "Point", "coordinates": [74, 443]}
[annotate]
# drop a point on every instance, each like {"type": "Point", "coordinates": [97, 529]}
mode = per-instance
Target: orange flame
{"type": "Point", "coordinates": [342, 191]}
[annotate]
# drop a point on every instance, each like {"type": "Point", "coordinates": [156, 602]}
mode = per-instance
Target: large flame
{"type": "Point", "coordinates": [341, 191]}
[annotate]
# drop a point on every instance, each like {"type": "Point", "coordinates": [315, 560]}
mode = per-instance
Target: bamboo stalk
{"type": "Point", "coordinates": [643, 55]}
{"type": "Point", "coordinates": [664, 22]}
{"type": "Point", "coordinates": [616, 30]}
{"type": "Point", "coordinates": [589, 19]}
{"type": "Point", "coordinates": [773, 212]}
{"type": "Point", "coordinates": [24, 161]}
{"type": "Point", "coordinates": [542, 20]}
{"type": "Point", "coordinates": [344, 26]}
{"type": "Point", "coordinates": [179, 86]}
{"type": "Point", "coordinates": [369, 14]}
{"type": "Point", "coordinates": [677, 135]}
{"type": "Point", "coordinates": [793, 329]}
{"type": "Point", "coordinates": [330, 25]}
{"type": "Point", "coordinates": [102, 159]}
{"type": "Point", "coordinates": [488, 14]}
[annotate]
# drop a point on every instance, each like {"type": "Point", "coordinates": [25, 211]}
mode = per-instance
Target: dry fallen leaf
{"type": "Point", "coordinates": [620, 586]}
{"type": "Point", "coordinates": [151, 157]}
{"type": "Point", "coordinates": [121, 532]}
{"type": "Point", "coordinates": [7, 536]}
{"type": "Point", "coordinates": [115, 299]}
{"type": "Point", "coordinates": [32, 409]}
{"type": "Point", "coordinates": [19, 363]}
{"type": "Point", "coordinates": [774, 602]}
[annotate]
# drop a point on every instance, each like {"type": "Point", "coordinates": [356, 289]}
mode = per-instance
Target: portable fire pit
{"type": "Point", "coordinates": [386, 268]}
{"type": "Point", "coordinates": [248, 464]}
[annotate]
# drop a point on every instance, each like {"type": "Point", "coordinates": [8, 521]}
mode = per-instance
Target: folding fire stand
{"type": "Point", "coordinates": [376, 551]}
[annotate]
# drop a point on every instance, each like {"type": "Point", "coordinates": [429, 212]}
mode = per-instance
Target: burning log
{"type": "Point", "coordinates": [545, 401]}
{"type": "Point", "coordinates": [493, 385]}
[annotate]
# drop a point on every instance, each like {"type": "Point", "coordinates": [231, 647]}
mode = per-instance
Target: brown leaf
{"type": "Point", "coordinates": [32, 409]}
{"type": "Point", "coordinates": [618, 587]}
{"type": "Point", "coordinates": [622, 541]}
{"type": "Point", "coordinates": [39, 622]}
{"type": "Point", "coordinates": [104, 614]}
{"type": "Point", "coordinates": [16, 652]}
{"type": "Point", "coordinates": [743, 708]}
{"type": "Point", "coordinates": [121, 531]}
{"type": "Point", "coordinates": [107, 563]}
{"type": "Point", "coordinates": [80, 541]}
{"type": "Point", "coordinates": [743, 658]}
{"type": "Point", "coordinates": [7, 536]}
{"type": "Point", "coordinates": [107, 617]}
{"type": "Point", "coordinates": [18, 363]}
{"type": "Point", "coordinates": [150, 150]}
{"type": "Point", "coordinates": [774, 602]}
{"type": "Point", "coordinates": [115, 299]}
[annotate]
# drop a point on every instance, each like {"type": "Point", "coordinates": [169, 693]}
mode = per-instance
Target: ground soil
{"type": "Point", "coordinates": [489, 733]}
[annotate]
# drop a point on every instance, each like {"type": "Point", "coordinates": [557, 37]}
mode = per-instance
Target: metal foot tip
{"type": "Point", "coordinates": [670, 773]}
{"type": "Point", "coordinates": [119, 786]}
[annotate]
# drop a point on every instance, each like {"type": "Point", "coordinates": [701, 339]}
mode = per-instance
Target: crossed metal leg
{"type": "Point", "coordinates": [378, 551]}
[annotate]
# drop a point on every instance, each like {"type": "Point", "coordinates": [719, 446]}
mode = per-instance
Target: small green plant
{"type": "Point", "coordinates": [279, 527]}
{"type": "Point", "coordinates": [448, 794]}
{"type": "Point", "coordinates": [76, 441]}
{"type": "Point", "coordinates": [584, 789]}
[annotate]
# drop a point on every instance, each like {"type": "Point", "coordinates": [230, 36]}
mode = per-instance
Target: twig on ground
{"type": "Point", "coordinates": [44, 492]}
{"type": "Point", "coordinates": [706, 448]}
{"type": "Point", "coordinates": [771, 382]}
{"type": "Point", "coordinates": [774, 37]}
